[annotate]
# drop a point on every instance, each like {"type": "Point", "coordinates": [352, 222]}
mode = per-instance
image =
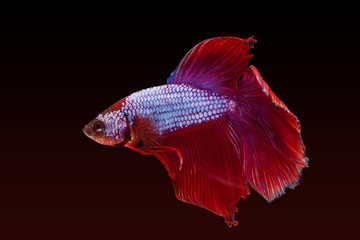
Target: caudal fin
{"type": "Point", "coordinates": [259, 143]}
{"type": "Point", "coordinates": [273, 154]}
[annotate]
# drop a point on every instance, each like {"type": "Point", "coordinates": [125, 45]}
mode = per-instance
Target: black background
{"type": "Point", "coordinates": [57, 73]}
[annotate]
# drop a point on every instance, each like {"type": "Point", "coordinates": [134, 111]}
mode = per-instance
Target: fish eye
{"type": "Point", "coordinates": [99, 126]}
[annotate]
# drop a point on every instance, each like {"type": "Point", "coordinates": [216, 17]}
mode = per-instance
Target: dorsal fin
{"type": "Point", "coordinates": [214, 64]}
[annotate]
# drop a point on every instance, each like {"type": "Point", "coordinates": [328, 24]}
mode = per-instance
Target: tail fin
{"type": "Point", "coordinates": [273, 154]}
{"type": "Point", "coordinates": [259, 143]}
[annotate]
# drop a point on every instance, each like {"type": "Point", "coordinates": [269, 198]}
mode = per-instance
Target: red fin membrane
{"type": "Point", "coordinates": [268, 134]}
{"type": "Point", "coordinates": [144, 135]}
{"type": "Point", "coordinates": [211, 174]}
{"type": "Point", "coordinates": [214, 64]}
{"type": "Point", "coordinates": [273, 154]}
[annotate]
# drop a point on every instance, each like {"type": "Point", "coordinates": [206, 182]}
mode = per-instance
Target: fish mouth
{"type": "Point", "coordinates": [87, 131]}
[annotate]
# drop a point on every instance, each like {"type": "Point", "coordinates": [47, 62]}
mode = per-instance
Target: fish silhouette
{"type": "Point", "coordinates": [216, 126]}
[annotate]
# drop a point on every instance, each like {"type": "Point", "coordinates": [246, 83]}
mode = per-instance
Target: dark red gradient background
{"type": "Point", "coordinates": [57, 73]}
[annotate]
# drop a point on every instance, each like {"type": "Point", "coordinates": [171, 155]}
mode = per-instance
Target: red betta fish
{"type": "Point", "coordinates": [216, 127]}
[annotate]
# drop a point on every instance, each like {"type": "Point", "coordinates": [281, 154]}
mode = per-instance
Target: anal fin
{"type": "Point", "coordinates": [210, 176]}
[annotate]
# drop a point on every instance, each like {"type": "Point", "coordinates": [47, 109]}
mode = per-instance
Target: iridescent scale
{"type": "Point", "coordinates": [177, 106]}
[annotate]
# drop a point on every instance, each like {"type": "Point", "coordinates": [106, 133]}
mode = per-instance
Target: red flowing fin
{"type": "Point", "coordinates": [211, 175]}
{"type": "Point", "coordinates": [214, 64]}
{"type": "Point", "coordinates": [273, 154]}
{"type": "Point", "coordinates": [172, 161]}
{"type": "Point", "coordinates": [266, 89]}
{"type": "Point", "coordinates": [144, 134]}
{"type": "Point", "coordinates": [145, 139]}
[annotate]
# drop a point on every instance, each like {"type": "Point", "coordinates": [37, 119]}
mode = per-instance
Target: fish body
{"type": "Point", "coordinates": [175, 107]}
{"type": "Point", "coordinates": [216, 126]}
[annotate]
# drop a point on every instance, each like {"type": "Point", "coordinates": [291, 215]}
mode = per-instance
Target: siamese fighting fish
{"type": "Point", "coordinates": [216, 126]}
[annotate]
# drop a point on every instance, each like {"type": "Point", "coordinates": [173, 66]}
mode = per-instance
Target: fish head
{"type": "Point", "coordinates": [109, 128]}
